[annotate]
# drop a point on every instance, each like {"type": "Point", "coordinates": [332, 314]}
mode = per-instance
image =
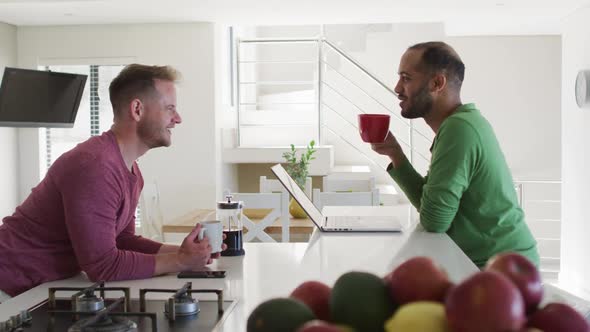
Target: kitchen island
{"type": "Point", "coordinates": [274, 269]}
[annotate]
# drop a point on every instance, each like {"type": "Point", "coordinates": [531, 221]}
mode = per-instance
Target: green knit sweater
{"type": "Point", "coordinates": [468, 192]}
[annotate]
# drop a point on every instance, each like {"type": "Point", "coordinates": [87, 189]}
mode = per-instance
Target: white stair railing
{"type": "Point", "coordinates": [281, 106]}
{"type": "Point", "coordinates": [277, 94]}
{"type": "Point", "coordinates": [541, 203]}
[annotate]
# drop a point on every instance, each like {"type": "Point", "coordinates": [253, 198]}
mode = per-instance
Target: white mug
{"type": "Point", "coordinates": [213, 230]}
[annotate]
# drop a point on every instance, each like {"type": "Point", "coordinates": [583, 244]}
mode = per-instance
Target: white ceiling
{"type": "Point", "coordinates": [459, 16]}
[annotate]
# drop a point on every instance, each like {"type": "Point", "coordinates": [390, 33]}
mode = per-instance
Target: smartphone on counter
{"type": "Point", "coordinates": [202, 274]}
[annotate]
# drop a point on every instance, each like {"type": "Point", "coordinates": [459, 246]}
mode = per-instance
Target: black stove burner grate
{"type": "Point", "coordinates": [106, 320]}
{"type": "Point", "coordinates": [123, 314]}
{"type": "Point", "coordinates": [107, 324]}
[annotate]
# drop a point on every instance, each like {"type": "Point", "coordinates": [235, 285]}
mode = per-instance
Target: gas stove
{"type": "Point", "coordinates": [90, 310]}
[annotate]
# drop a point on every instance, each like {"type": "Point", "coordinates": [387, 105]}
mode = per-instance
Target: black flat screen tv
{"type": "Point", "coordinates": [35, 98]}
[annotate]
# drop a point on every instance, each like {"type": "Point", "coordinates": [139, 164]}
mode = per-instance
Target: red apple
{"type": "Point", "coordinates": [417, 279]}
{"type": "Point", "coordinates": [558, 317]}
{"type": "Point", "coordinates": [523, 273]}
{"type": "Point", "coordinates": [318, 326]}
{"type": "Point", "coordinates": [316, 295]}
{"type": "Point", "coordinates": [485, 302]}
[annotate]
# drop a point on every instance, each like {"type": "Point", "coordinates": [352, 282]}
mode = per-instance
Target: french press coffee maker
{"type": "Point", "coordinates": [230, 214]}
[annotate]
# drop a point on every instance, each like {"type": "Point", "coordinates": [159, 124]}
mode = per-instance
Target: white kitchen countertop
{"type": "Point", "coordinates": [274, 269]}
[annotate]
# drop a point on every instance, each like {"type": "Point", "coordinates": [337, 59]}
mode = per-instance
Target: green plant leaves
{"type": "Point", "coordinates": [299, 170]}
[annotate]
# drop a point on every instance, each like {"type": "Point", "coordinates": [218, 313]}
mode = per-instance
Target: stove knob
{"type": "Point", "coordinates": [7, 326]}
{"type": "Point", "coordinates": [16, 321]}
{"type": "Point", "coordinates": [26, 316]}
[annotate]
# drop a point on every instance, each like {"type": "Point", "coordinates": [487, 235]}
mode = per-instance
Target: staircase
{"type": "Point", "coordinates": [292, 91]}
{"type": "Point", "coordinates": [541, 202]}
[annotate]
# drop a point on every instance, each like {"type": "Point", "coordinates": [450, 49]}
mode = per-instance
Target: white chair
{"type": "Point", "coordinates": [345, 192]}
{"type": "Point", "coordinates": [331, 183]}
{"type": "Point", "coordinates": [151, 219]}
{"type": "Point", "coordinates": [279, 205]}
{"type": "Point", "coordinates": [361, 198]}
{"type": "Point", "coordinates": [275, 186]}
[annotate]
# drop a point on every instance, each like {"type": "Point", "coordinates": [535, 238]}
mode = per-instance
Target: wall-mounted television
{"type": "Point", "coordinates": [35, 98]}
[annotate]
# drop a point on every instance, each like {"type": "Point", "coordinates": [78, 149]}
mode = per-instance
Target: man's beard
{"type": "Point", "coordinates": [152, 136]}
{"type": "Point", "coordinates": [421, 105]}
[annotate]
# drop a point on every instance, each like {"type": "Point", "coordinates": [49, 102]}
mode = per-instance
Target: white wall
{"type": "Point", "coordinates": [383, 49]}
{"type": "Point", "coordinates": [516, 83]}
{"type": "Point", "coordinates": [186, 172]}
{"type": "Point", "coordinates": [8, 136]}
{"type": "Point", "coordinates": [575, 272]}
{"type": "Point", "coordinates": [227, 176]}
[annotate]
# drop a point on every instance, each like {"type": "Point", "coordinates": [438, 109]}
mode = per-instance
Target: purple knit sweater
{"type": "Point", "coordinates": [81, 217]}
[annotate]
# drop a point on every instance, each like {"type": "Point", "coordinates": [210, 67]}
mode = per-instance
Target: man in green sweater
{"type": "Point", "coordinates": [468, 191]}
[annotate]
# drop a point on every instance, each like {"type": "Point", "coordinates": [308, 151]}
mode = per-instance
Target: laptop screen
{"type": "Point", "coordinates": [298, 194]}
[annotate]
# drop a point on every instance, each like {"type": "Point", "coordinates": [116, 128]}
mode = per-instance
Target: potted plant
{"type": "Point", "coordinates": [299, 170]}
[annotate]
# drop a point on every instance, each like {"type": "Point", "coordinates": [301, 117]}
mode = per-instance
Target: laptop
{"type": "Point", "coordinates": [341, 218]}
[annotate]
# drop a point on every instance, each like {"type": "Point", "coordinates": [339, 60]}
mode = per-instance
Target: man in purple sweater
{"type": "Point", "coordinates": [81, 216]}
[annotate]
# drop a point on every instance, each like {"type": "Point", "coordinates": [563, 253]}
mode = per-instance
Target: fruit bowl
{"type": "Point", "coordinates": [418, 296]}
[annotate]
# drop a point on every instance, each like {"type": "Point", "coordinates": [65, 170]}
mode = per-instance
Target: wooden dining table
{"type": "Point", "coordinates": [186, 222]}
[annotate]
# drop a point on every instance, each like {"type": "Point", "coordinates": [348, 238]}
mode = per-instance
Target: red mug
{"type": "Point", "coordinates": [373, 127]}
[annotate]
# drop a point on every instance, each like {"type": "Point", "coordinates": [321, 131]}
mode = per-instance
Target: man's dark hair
{"type": "Point", "coordinates": [440, 57]}
{"type": "Point", "coordinates": [137, 81]}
